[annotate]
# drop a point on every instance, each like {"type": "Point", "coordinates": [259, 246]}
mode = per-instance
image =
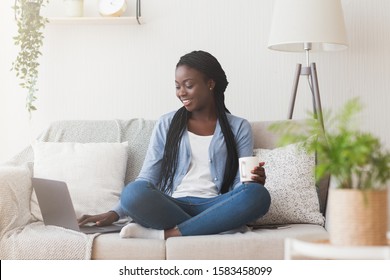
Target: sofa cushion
{"type": "Point", "coordinates": [111, 246]}
{"type": "Point", "coordinates": [135, 131]}
{"type": "Point", "coordinates": [94, 172]}
{"type": "Point", "coordinates": [36, 241]}
{"type": "Point", "coordinates": [291, 183]}
{"type": "Point", "coordinates": [260, 244]}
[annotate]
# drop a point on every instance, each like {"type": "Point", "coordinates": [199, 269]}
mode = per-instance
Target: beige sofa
{"type": "Point", "coordinates": [23, 236]}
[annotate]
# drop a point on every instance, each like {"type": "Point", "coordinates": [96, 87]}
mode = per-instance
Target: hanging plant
{"type": "Point", "coordinates": [30, 40]}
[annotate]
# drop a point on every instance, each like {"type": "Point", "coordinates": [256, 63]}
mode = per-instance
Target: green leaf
{"type": "Point", "coordinates": [354, 158]}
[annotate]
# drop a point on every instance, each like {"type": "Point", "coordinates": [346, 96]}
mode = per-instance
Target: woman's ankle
{"type": "Point", "coordinates": [173, 232]}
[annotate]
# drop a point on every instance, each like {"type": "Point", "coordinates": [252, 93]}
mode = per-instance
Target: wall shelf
{"type": "Point", "coordinates": [94, 20]}
{"type": "Point", "coordinates": [100, 19]}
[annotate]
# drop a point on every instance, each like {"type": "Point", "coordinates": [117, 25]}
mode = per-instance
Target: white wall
{"type": "Point", "coordinates": [126, 71]}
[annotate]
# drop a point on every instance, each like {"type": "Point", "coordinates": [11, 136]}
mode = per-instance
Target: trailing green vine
{"type": "Point", "coordinates": [29, 38]}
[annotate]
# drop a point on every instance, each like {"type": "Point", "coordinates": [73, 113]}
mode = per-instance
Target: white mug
{"type": "Point", "coordinates": [246, 165]}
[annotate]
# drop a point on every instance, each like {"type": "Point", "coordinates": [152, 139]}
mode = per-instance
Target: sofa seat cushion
{"type": "Point", "coordinates": [260, 244]}
{"type": "Point", "coordinates": [112, 247]}
{"type": "Point", "coordinates": [36, 241]}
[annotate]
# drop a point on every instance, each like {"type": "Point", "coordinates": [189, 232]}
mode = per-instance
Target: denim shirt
{"type": "Point", "coordinates": [150, 171]}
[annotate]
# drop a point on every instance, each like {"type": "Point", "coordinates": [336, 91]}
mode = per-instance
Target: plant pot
{"type": "Point", "coordinates": [74, 8]}
{"type": "Point", "coordinates": [357, 218]}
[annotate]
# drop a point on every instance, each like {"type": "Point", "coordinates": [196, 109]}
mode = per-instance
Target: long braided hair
{"type": "Point", "coordinates": [210, 67]}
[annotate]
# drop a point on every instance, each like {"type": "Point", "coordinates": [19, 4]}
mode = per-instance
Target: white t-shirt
{"type": "Point", "coordinates": [198, 182]}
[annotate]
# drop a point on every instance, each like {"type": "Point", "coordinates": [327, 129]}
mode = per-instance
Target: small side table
{"type": "Point", "coordinates": [312, 247]}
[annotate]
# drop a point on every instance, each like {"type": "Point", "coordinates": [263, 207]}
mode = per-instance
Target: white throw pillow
{"type": "Point", "coordinates": [94, 173]}
{"type": "Point", "coordinates": [291, 184]}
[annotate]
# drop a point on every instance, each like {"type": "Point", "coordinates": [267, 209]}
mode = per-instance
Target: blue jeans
{"type": "Point", "coordinates": [151, 208]}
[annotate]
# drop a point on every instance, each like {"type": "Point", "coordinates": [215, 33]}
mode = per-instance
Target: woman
{"type": "Point", "coordinates": [189, 183]}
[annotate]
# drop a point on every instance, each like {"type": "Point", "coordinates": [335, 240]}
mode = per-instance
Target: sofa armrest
{"type": "Point", "coordinates": [15, 190]}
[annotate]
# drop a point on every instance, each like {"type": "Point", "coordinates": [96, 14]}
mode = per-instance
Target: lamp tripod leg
{"type": "Point", "coordinates": [316, 95]}
{"type": "Point", "coordinates": [311, 73]}
{"type": "Point", "coordinates": [294, 90]}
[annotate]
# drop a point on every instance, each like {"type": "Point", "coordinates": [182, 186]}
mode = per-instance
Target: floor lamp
{"type": "Point", "coordinates": [305, 26]}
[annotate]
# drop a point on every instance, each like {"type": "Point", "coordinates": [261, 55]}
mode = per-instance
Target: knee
{"type": "Point", "coordinates": [133, 194]}
{"type": "Point", "coordinates": [259, 197]}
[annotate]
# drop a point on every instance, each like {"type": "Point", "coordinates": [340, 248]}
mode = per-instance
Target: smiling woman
{"type": "Point", "coordinates": [194, 181]}
{"type": "Point", "coordinates": [195, 91]}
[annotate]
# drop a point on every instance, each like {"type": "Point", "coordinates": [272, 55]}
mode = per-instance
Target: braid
{"type": "Point", "coordinates": [232, 156]}
{"type": "Point", "coordinates": [171, 150]}
{"type": "Point", "coordinates": [210, 67]}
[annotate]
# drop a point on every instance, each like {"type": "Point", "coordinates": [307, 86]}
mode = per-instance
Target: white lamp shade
{"type": "Point", "coordinates": [319, 22]}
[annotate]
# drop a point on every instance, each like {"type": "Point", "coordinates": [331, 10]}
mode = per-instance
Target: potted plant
{"type": "Point", "coordinates": [360, 170]}
{"type": "Point", "coordinates": [30, 40]}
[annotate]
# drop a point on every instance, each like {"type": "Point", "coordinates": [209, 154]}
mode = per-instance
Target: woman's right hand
{"type": "Point", "coordinates": [104, 219]}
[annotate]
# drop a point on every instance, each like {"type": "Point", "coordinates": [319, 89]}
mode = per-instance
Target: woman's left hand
{"type": "Point", "coordinates": [259, 174]}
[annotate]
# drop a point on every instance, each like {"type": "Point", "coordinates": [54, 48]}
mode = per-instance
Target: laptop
{"type": "Point", "coordinates": [57, 208]}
